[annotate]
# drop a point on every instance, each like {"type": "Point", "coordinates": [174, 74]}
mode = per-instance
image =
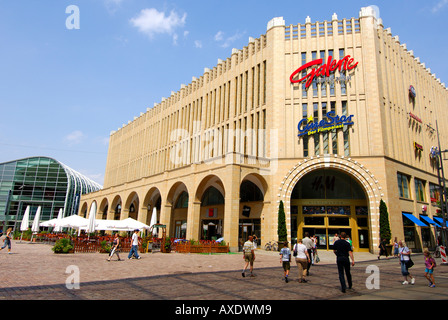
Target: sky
{"type": "Point", "coordinates": [73, 71]}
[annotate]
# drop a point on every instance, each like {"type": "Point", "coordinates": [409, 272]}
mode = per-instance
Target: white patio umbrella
{"type": "Point", "coordinates": [49, 223]}
{"type": "Point", "coordinates": [92, 214]}
{"type": "Point", "coordinates": [153, 220]}
{"type": "Point", "coordinates": [25, 221]}
{"type": "Point", "coordinates": [35, 226]}
{"type": "Point", "coordinates": [131, 224]}
{"type": "Point", "coordinates": [73, 221]}
{"type": "Point", "coordinates": [57, 227]}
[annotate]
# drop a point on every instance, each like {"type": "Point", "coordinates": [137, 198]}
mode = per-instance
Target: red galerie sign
{"type": "Point", "coordinates": [345, 63]}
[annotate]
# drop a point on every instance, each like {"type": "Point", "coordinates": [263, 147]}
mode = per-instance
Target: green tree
{"type": "Point", "coordinates": [384, 222]}
{"type": "Point", "coordinates": [281, 229]}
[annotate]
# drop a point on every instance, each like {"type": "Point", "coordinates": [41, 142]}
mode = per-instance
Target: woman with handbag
{"type": "Point", "coordinates": [115, 248]}
{"type": "Point", "coordinates": [405, 262]}
{"type": "Point", "coordinates": [302, 259]}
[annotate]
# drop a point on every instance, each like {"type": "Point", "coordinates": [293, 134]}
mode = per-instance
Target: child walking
{"type": "Point", "coordinates": [430, 264]}
{"type": "Point", "coordinates": [285, 260]}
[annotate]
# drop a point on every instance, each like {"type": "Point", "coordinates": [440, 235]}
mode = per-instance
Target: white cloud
{"type": "Point", "coordinates": [198, 44]}
{"type": "Point", "coordinates": [219, 36]}
{"type": "Point", "coordinates": [229, 40]}
{"type": "Point", "coordinates": [152, 22]}
{"type": "Point", "coordinates": [440, 5]}
{"type": "Point", "coordinates": [175, 37]}
{"type": "Point", "coordinates": [75, 137]}
{"type": "Point", "coordinates": [112, 5]}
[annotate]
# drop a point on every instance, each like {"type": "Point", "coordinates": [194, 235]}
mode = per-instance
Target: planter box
{"type": "Point", "coordinates": [204, 248]}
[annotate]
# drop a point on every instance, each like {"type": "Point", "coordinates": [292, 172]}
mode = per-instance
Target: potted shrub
{"type": "Point", "coordinates": [63, 245]}
{"type": "Point", "coordinates": [168, 245]}
{"type": "Point", "coordinates": [105, 247]}
{"type": "Point", "coordinates": [281, 227]}
{"type": "Point", "coordinates": [385, 232]}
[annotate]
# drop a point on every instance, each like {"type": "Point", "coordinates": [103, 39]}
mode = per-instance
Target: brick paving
{"type": "Point", "coordinates": [35, 272]}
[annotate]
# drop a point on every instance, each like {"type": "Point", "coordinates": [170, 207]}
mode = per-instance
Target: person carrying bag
{"type": "Point", "coordinates": [405, 262]}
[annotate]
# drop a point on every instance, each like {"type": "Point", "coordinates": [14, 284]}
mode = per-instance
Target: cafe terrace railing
{"type": "Point", "coordinates": [94, 244]}
{"type": "Point", "coordinates": [202, 247]}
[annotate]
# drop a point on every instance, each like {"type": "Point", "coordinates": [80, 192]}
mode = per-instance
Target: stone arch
{"type": "Point", "coordinates": [259, 181]}
{"type": "Point", "coordinates": [206, 182]}
{"type": "Point", "coordinates": [116, 207]}
{"type": "Point", "coordinates": [178, 216]}
{"type": "Point", "coordinates": [152, 199]}
{"type": "Point", "coordinates": [211, 217]}
{"type": "Point", "coordinates": [253, 192]}
{"type": "Point", "coordinates": [353, 168]}
{"type": "Point", "coordinates": [103, 208]}
{"type": "Point", "coordinates": [132, 205]}
{"type": "Point", "coordinates": [83, 211]}
{"type": "Point", "coordinates": [174, 192]}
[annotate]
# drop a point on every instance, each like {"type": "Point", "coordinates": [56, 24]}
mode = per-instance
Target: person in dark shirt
{"type": "Point", "coordinates": [343, 251]}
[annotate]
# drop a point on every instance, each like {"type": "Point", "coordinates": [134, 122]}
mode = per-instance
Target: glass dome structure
{"type": "Point", "coordinates": [40, 181]}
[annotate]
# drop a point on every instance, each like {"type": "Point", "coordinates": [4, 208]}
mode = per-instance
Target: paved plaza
{"type": "Point", "coordinates": [33, 272]}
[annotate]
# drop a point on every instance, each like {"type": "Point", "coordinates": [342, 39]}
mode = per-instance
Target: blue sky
{"type": "Point", "coordinates": [62, 91]}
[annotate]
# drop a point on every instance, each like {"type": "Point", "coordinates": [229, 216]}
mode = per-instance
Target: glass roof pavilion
{"type": "Point", "coordinates": [40, 181]}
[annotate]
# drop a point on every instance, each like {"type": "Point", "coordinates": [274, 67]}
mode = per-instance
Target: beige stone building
{"type": "Point", "coordinates": [217, 157]}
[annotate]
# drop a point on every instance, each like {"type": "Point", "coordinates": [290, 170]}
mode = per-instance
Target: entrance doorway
{"type": "Point", "coordinates": [249, 227]}
{"type": "Point", "coordinates": [211, 229]}
{"type": "Point", "coordinates": [326, 202]}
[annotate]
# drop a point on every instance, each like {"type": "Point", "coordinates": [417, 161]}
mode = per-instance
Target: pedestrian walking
{"type": "Point", "coordinates": [285, 260]}
{"type": "Point", "coordinates": [383, 250]}
{"type": "Point", "coordinates": [134, 245]}
{"type": "Point", "coordinates": [255, 239]}
{"type": "Point", "coordinates": [8, 240]}
{"type": "Point", "coordinates": [395, 246]}
{"type": "Point", "coordinates": [115, 248]}
{"type": "Point", "coordinates": [349, 241]}
{"type": "Point", "coordinates": [343, 251]}
{"type": "Point", "coordinates": [405, 262]}
{"type": "Point", "coordinates": [335, 238]}
{"type": "Point", "coordinates": [302, 259]}
{"type": "Point", "coordinates": [430, 264]}
{"type": "Point", "coordinates": [248, 256]}
{"type": "Point", "coordinates": [309, 244]}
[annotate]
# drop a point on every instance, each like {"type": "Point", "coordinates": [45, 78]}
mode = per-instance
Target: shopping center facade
{"type": "Point", "coordinates": [328, 117]}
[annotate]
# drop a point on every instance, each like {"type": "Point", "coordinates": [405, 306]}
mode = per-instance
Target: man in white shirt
{"type": "Point", "coordinates": [309, 244]}
{"type": "Point", "coordinates": [134, 245]}
{"type": "Point", "coordinates": [249, 256]}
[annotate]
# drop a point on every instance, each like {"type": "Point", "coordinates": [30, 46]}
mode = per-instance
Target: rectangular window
{"type": "Point", "coordinates": [419, 189]}
{"type": "Point", "coordinates": [323, 85]}
{"type": "Point", "coordinates": [434, 193]}
{"type": "Point", "coordinates": [264, 82]}
{"type": "Point", "coordinates": [316, 136]}
{"type": "Point", "coordinates": [305, 137]}
{"type": "Point", "coordinates": [246, 90]}
{"type": "Point", "coordinates": [304, 92]}
{"type": "Point", "coordinates": [236, 96]}
{"type": "Point", "coordinates": [314, 57]}
{"type": "Point", "coordinates": [334, 134]}
{"type": "Point", "coordinates": [403, 186]}
{"type": "Point", "coordinates": [304, 110]}
{"type": "Point", "coordinates": [258, 85]}
{"type": "Point", "coordinates": [253, 88]}
{"type": "Point", "coordinates": [346, 131]}
{"type": "Point", "coordinates": [342, 74]}
{"type": "Point", "coordinates": [241, 95]}
{"type": "Point", "coordinates": [305, 145]}
{"type": "Point", "coordinates": [326, 134]}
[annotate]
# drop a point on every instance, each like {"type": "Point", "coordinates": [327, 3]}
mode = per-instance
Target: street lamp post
{"type": "Point", "coordinates": [443, 199]}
